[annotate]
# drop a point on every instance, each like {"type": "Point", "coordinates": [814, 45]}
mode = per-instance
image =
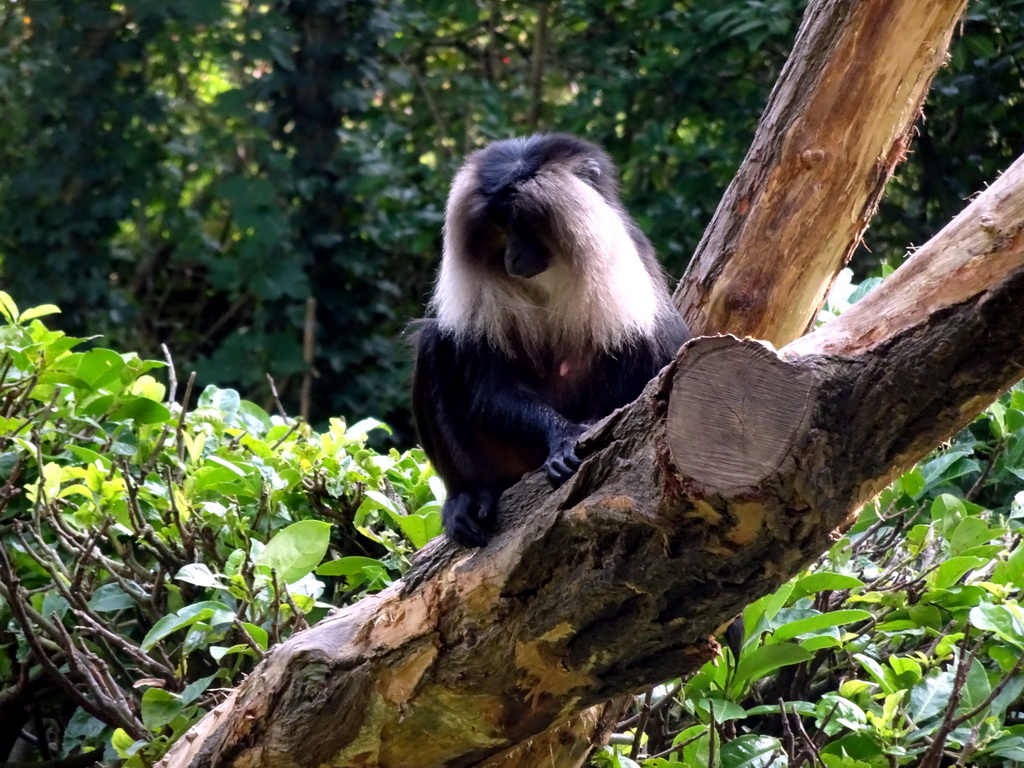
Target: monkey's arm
{"type": "Point", "coordinates": [511, 409]}
{"type": "Point", "coordinates": [483, 427]}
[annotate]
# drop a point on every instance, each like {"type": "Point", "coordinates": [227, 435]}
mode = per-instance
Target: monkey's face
{"type": "Point", "coordinates": [515, 206]}
{"type": "Point", "coordinates": [540, 254]}
{"type": "Point", "coordinates": [508, 228]}
{"type": "Point", "coordinates": [526, 236]}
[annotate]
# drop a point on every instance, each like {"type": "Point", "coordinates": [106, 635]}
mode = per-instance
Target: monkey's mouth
{"type": "Point", "coordinates": [526, 270]}
{"type": "Point", "coordinates": [526, 261]}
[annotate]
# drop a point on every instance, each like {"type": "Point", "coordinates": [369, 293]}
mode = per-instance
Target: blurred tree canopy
{"type": "Point", "coordinates": [191, 172]}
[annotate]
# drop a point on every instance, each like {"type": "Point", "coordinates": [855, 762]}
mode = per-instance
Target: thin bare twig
{"type": "Point", "coordinates": [540, 45]}
{"type": "Point", "coordinates": [172, 375]}
{"type": "Point", "coordinates": [308, 349]}
{"type": "Point", "coordinates": [277, 399]}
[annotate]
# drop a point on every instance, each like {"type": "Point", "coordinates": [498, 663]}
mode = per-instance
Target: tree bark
{"type": "Point", "coordinates": [731, 472]}
{"type": "Point", "coordinates": [837, 123]}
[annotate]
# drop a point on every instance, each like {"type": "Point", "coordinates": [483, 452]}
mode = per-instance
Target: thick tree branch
{"type": "Point", "coordinates": [618, 580]}
{"type": "Point", "coordinates": [837, 123]}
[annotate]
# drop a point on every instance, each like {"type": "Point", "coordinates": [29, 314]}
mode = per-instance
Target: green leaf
{"type": "Point", "coordinates": [981, 45]}
{"type": "Point", "coordinates": [159, 707]}
{"type": "Point", "coordinates": [356, 570]}
{"type": "Point", "coordinates": [258, 635]}
{"type": "Point", "coordinates": [819, 642]}
{"type": "Point", "coordinates": [198, 574]}
{"type": "Point", "coordinates": [938, 470]}
{"type": "Point", "coordinates": [225, 400]}
{"type": "Point", "coordinates": [907, 671]}
{"type": "Point", "coordinates": [976, 689]}
{"type": "Point", "coordinates": [952, 570]}
{"type": "Point", "coordinates": [253, 418]}
{"type": "Point", "coordinates": [767, 606]}
{"type": "Point", "coordinates": [121, 742]}
{"type": "Point", "coordinates": [891, 705]}
{"type": "Point", "coordinates": [947, 510]}
{"type": "Point", "coordinates": [218, 652]}
{"type": "Point", "coordinates": [615, 759]}
{"type": "Point", "coordinates": [8, 308]}
{"type": "Point", "coordinates": [822, 581]}
{"type": "Point", "coordinates": [877, 672]}
{"type": "Point", "coordinates": [724, 709]}
{"type": "Point", "coordinates": [141, 410]}
{"type": "Point", "coordinates": [930, 697]}
{"type": "Point", "coordinates": [913, 483]}
{"type": "Point", "coordinates": [844, 714]}
{"type": "Point", "coordinates": [230, 465]}
{"type": "Point", "coordinates": [970, 532]}
{"type": "Point", "coordinates": [41, 311]}
{"type": "Point", "coordinates": [196, 689]}
{"type": "Point", "coordinates": [1007, 697]}
{"type": "Point", "coordinates": [696, 739]}
{"type": "Point", "coordinates": [296, 550]}
{"type": "Point", "coordinates": [148, 387]}
{"type": "Point", "coordinates": [819, 622]}
{"type": "Point", "coordinates": [752, 751]}
{"type": "Point", "coordinates": [81, 727]}
{"type": "Point", "coordinates": [802, 708]}
{"type": "Point", "coordinates": [420, 528]}
{"type": "Point", "coordinates": [110, 597]}
{"type": "Point", "coordinates": [89, 456]}
{"type": "Point", "coordinates": [853, 688]}
{"type": "Point", "coordinates": [186, 617]}
{"type": "Point", "coordinates": [1005, 620]}
{"type": "Point", "coordinates": [361, 429]}
{"type": "Point", "coordinates": [100, 368]}
{"type": "Point", "coordinates": [1009, 747]}
{"type": "Point", "coordinates": [762, 661]}
{"type": "Point", "coordinates": [1011, 571]}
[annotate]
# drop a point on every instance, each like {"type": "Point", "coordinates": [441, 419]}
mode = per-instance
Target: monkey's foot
{"type": "Point", "coordinates": [469, 516]}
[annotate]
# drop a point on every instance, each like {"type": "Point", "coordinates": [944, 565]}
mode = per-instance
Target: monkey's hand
{"type": "Point", "coordinates": [469, 516]}
{"type": "Point", "coordinates": [562, 461]}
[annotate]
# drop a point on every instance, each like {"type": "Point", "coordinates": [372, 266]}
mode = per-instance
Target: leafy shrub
{"type": "Point", "coordinates": [152, 554]}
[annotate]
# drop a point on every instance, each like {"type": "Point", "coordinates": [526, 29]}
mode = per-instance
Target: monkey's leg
{"type": "Point", "coordinates": [469, 516]}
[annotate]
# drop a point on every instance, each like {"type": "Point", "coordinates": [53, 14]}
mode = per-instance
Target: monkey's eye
{"type": "Point", "coordinates": [499, 207]}
{"type": "Point", "coordinates": [590, 171]}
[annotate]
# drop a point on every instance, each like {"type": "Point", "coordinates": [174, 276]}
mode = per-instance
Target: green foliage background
{"type": "Point", "coordinates": [149, 555]}
{"type": "Point", "coordinates": [189, 172]}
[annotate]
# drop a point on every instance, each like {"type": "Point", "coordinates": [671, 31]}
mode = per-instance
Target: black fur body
{"type": "Point", "coordinates": [551, 311]}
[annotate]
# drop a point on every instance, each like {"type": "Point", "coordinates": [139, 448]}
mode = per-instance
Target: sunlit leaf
{"type": "Point", "coordinates": [296, 550]}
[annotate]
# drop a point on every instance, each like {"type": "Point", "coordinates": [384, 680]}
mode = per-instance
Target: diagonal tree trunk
{"type": "Point", "coordinates": [837, 124]}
